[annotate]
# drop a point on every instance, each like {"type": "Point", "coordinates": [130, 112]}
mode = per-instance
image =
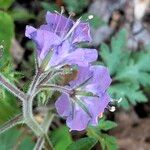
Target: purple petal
{"type": "Point", "coordinates": [84, 73]}
{"type": "Point", "coordinates": [100, 81]}
{"type": "Point", "coordinates": [96, 106]}
{"type": "Point", "coordinates": [63, 105]}
{"type": "Point", "coordinates": [90, 55]}
{"type": "Point", "coordinates": [45, 41]}
{"type": "Point", "coordinates": [79, 121]}
{"type": "Point", "coordinates": [46, 27]}
{"type": "Point", "coordinates": [81, 33]}
{"type": "Point", "coordinates": [81, 57]}
{"type": "Point", "coordinates": [59, 53]}
{"type": "Point", "coordinates": [29, 31]}
{"type": "Point", "coordinates": [58, 23]}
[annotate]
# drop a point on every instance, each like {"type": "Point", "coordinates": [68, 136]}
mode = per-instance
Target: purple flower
{"type": "Point", "coordinates": [88, 100]}
{"type": "Point", "coordinates": [61, 36]}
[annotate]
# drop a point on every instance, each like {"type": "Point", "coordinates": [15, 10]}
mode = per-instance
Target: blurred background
{"type": "Point", "coordinates": [121, 33]}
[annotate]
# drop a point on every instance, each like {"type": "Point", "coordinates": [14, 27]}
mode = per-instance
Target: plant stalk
{"type": "Point", "coordinates": [13, 89]}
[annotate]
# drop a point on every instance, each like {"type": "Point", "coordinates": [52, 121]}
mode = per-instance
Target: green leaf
{"type": "Point", "coordinates": [115, 57]}
{"type": "Point", "coordinates": [135, 70]}
{"type": "Point", "coordinates": [108, 142]}
{"type": "Point", "coordinates": [128, 70]}
{"type": "Point", "coordinates": [5, 4]}
{"type": "Point", "coordinates": [82, 144]}
{"type": "Point", "coordinates": [61, 138]}
{"type": "Point", "coordinates": [15, 139]}
{"type": "Point", "coordinates": [6, 32]}
{"type": "Point", "coordinates": [129, 92]}
{"type": "Point", "coordinates": [76, 6]}
{"type": "Point", "coordinates": [8, 107]}
{"type": "Point", "coordinates": [106, 125]}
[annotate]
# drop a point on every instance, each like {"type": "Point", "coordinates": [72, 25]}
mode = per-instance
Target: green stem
{"type": "Point", "coordinates": [11, 123]}
{"type": "Point", "coordinates": [29, 118]}
{"type": "Point", "coordinates": [28, 107]}
{"type": "Point", "coordinates": [45, 126]}
{"type": "Point", "coordinates": [13, 89]}
{"type": "Point", "coordinates": [39, 143]}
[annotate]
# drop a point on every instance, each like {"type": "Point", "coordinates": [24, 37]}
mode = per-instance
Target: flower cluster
{"type": "Point", "coordinates": [84, 98]}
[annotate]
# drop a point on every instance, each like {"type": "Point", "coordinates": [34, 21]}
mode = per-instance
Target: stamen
{"type": "Point", "coordinates": [120, 99]}
{"type": "Point", "coordinates": [65, 26]}
{"type": "Point", "coordinates": [116, 100]}
{"type": "Point", "coordinates": [72, 29]}
{"type": "Point", "coordinates": [111, 108]}
{"type": "Point", "coordinates": [56, 11]}
{"type": "Point", "coordinates": [90, 17]}
{"type": "Point", "coordinates": [62, 11]}
{"type": "Point", "coordinates": [70, 15]}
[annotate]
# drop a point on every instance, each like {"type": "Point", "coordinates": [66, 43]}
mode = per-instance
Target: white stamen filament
{"type": "Point", "coordinates": [120, 99]}
{"type": "Point", "coordinates": [72, 29]}
{"type": "Point", "coordinates": [116, 100]}
{"type": "Point", "coordinates": [66, 25]}
{"type": "Point", "coordinates": [62, 11]}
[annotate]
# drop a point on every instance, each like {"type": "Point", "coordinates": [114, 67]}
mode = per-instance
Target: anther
{"type": "Point", "coordinates": [71, 14]}
{"type": "Point", "coordinates": [62, 9]}
{"type": "Point", "coordinates": [111, 108]}
{"type": "Point", "coordinates": [90, 17]}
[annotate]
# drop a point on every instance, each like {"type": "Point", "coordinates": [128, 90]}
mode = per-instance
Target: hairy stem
{"type": "Point", "coordinates": [47, 121]}
{"type": "Point", "coordinates": [35, 82]}
{"type": "Point", "coordinates": [28, 108]}
{"type": "Point", "coordinates": [39, 144]}
{"type": "Point", "coordinates": [45, 126]}
{"type": "Point", "coordinates": [48, 143]}
{"type": "Point", "coordinates": [11, 123]}
{"type": "Point", "coordinates": [29, 118]}
{"type": "Point", "coordinates": [13, 89]}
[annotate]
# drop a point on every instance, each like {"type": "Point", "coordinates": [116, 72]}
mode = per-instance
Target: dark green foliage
{"type": "Point", "coordinates": [107, 142]}
{"type": "Point", "coordinates": [128, 70]}
{"type": "Point", "coordinates": [82, 144]}
{"type": "Point", "coordinates": [15, 139]}
{"type": "Point", "coordinates": [6, 32]}
{"type": "Point", "coordinates": [5, 4]}
{"type": "Point", "coordinates": [8, 106]}
{"type": "Point", "coordinates": [61, 138]}
{"type": "Point", "coordinates": [76, 6]}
